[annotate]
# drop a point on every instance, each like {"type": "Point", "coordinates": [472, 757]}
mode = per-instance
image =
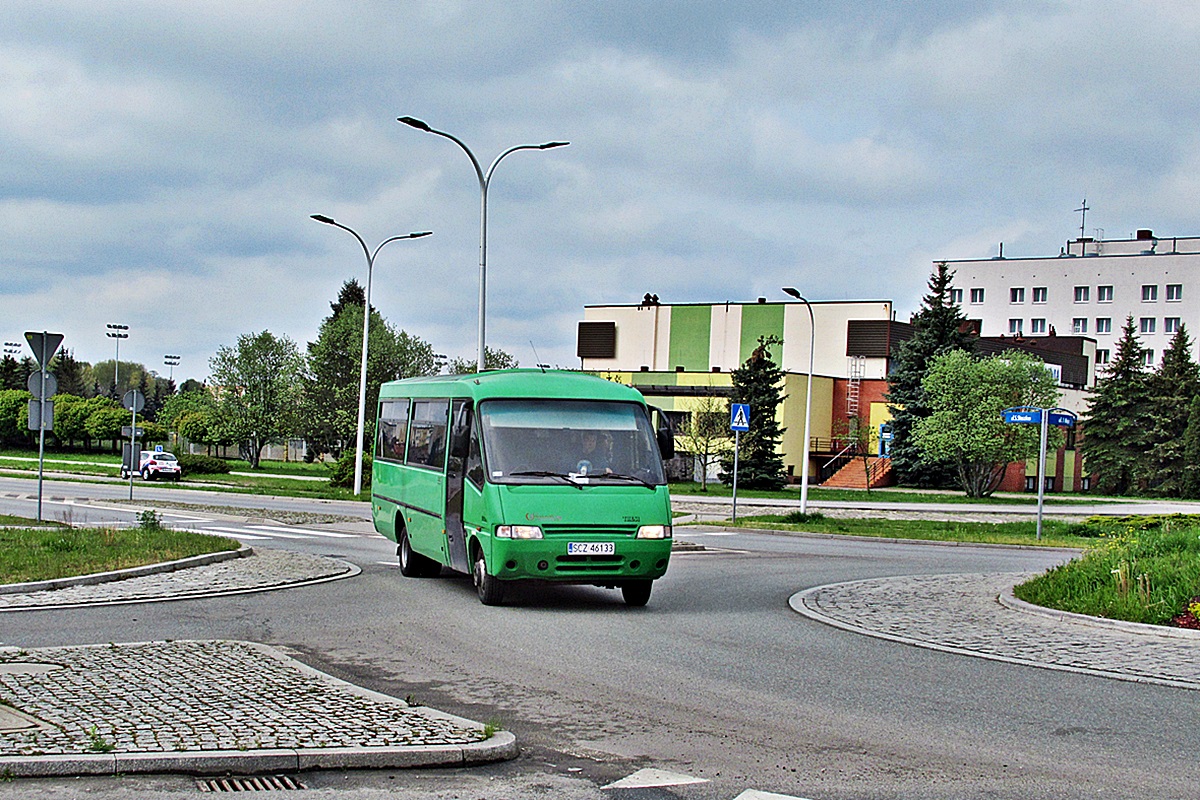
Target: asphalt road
{"type": "Point", "coordinates": [716, 679]}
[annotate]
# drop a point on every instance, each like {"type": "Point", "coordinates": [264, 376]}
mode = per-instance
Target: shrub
{"type": "Point", "coordinates": [202, 465]}
{"type": "Point", "coordinates": [798, 518]}
{"type": "Point", "coordinates": [341, 474]}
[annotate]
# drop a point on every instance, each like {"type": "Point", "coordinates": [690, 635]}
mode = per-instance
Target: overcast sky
{"type": "Point", "coordinates": [159, 160]}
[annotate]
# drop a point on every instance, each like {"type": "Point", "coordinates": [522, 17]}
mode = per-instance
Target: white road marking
{"type": "Point", "coordinates": [263, 535]}
{"type": "Point", "coordinates": [647, 778]}
{"type": "Point", "coordinates": [330, 534]}
{"type": "Point", "coordinates": [754, 794]}
{"type": "Point", "coordinates": [691, 533]}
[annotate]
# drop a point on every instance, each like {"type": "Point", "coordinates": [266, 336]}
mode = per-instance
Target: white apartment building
{"type": "Point", "coordinates": [1088, 290]}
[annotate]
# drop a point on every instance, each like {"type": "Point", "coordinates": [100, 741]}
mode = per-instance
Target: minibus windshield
{"type": "Point", "coordinates": [582, 441]}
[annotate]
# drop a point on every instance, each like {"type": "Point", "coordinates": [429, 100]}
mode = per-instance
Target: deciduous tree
{"type": "Point", "coordinates": [258, 391]}
{"type": "Point", "coordinates": [965, 426]}
{"type": "Point", "coordinates": [705, 435]}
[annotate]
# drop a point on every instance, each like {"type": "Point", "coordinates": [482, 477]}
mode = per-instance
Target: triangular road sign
{"type": "Point", "coordinates": [44, 345]}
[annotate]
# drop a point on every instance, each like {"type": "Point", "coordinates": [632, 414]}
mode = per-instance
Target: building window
{"type": "Point", "coordinates": [1102, 356]}
{"type": "Point", "coordinates": [1103, 324]}
{"type": "Point", "coordinates": [1081, 294]}
{"type": "Point", "coordinates": [1037, 326]}
{"type": "Point", "coordinates": [1079, 326]}
{"type": "Point", "coordinates": [1016, 294]}
{"type": "Point", "coordinates": [1014, 327]}
{"type": "Point", "coordinates": [1149, 358]}
{"type": "Point", "coordinates": [1146, 325]}
{"type": "Point", "coordinates": [1085, 483]}
{"type": "Point", "coordinates": [956, 296]}
{"type": "Point", "coordinates": [1171, 325]}
{"type": "Point", "coordinates": [976, 296]}
{"type": "Point", "coordinates": [1039, 294]}
{"type": "Point", "coordinates": [1174, 292]}
{"type": "Point", "coordinates": [1104, 294]}
{"type": "Point", "coordinates": [1150, 293]}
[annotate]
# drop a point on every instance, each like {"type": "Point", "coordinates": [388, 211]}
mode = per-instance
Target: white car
{"type": "Point", "coordinates": [154, 465]}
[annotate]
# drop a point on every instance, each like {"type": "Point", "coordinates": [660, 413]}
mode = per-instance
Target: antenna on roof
{"type": "Point", "coordinates": [1083, 209]}
{"type": "Point", "coordinates": [536, 359]}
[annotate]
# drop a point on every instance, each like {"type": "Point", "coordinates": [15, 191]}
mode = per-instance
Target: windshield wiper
{"type": "Point", "coordinates": [540, 473]}
{"type": "Point", "coordinates": [624, 477]}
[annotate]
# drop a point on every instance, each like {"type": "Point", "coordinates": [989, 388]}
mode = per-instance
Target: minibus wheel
{"type": "Point", "coordinates": [413, 564]}
{"type": "Point", "coordinates": [489, 587]}
{"type": "Point", "coordinates": [636, 593]}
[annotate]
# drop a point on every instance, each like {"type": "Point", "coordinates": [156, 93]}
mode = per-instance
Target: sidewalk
{"type": "Point", "coordinates": [977, 615]}
{"type": "Point", "coordinates": [208, 707]}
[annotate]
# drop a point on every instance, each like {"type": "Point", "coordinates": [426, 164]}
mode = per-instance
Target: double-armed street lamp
{"type": "Point", "coordinates": [362, 374]}
{"type": "Point", "coordinates": [812, 342]}
{"type": "Point", "coordinates": [485, 179]}
{"type": "Point", "coordinates": [117, 332]}
{"type": "Point", "coordinates": [12, 348]}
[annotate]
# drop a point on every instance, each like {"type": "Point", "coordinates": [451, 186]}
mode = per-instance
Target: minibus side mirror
{"type": "Point", "coordinates": [664, 434]}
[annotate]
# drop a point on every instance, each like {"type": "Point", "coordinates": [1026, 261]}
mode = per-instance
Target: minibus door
{"type": "Point", "coordinates": [460, 438]}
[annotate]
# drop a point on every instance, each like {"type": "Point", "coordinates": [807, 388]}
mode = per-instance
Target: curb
{"type": "Point", "coordinates": [887, 539]}
{"type": "Point", "coordinates": [132, 572]}
{"type": "Point", "coordinates": [1011, 601]}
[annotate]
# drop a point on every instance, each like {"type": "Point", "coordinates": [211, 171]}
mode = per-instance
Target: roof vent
{"type": "Point", "coordinates": [762, 299]}
{"type": "Point", "coordinates": [1144, 234]}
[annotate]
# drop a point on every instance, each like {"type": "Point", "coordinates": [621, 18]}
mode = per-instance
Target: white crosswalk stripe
{"type": "Point", "coordinates": [242, 532]}
{"type": "Point", "coordinates": [305, 531]}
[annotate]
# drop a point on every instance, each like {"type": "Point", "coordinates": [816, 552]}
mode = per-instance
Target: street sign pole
{"type": "Point", "coordinates": [43, 345]}
{"type": "Point", "coordinates": [737, 435]}
{"type": "Point", "coordinates": [1042, 472]}
{"type": "Point", "coordinates": [739, 420]}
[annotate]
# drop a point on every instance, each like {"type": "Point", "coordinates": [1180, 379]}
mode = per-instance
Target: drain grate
{"type": "Point", "coordinates": [257, 783]}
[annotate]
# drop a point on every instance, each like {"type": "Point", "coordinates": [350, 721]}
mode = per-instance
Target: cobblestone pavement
{"type": "Point", "coordinates": [977, 615]}
{"type": "Point", "coordinates": [264, 569]}
{"type": "Point", "coordinates": [207, 706]}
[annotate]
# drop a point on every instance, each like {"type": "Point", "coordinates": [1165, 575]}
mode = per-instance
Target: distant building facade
{"type": "Point", "coordinates": [1088, 290]}
{"type": "Point", "coordinates": [677, 353]}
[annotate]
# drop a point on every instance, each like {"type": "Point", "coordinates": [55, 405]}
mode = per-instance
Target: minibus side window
{"type": "Point", "coordinates": [393, 430]}
{"type": "Point", "coordinates": [427, 433]}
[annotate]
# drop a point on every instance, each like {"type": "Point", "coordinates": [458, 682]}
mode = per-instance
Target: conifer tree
{"type": "Point", "coordinates": [1117, 420]}
{"type": "Point", "coordinates": [759, 383]}
{"type": "Point", "coordinates": [939, 328]}
{"type": "Point", "coordinates": [1173, 387]}
{"type": "Point", "coordinates": [1190, 480]}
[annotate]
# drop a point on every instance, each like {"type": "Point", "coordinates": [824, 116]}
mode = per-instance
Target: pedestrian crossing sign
{"type": "Point", "coordinates": [739, 416]}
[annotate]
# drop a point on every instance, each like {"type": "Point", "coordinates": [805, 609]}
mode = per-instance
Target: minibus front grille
{"type": "Point", "coordinates": [602, 531]}
{"type": "Point", "coordinates": [589, 563]}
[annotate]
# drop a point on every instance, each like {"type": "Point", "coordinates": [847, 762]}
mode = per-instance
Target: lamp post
{"type": "Point", "coordinates": [172, 362]}
{"type": "Point", "coordinates": [12, 348]}
{"type": "Point", "coordinates": [362, 373]}
{"type": "Point", "coordinates": [117, 332]}
{"type": "Point", "coordinates": [812, 343]}
{"type": "Point", "coordinates": [485, 179]}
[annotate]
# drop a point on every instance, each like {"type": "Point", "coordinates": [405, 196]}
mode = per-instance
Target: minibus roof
{"type": "Point", "coordinates": [514, 383]}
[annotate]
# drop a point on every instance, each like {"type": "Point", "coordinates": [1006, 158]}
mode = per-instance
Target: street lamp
{"type": "Point", "coordinates": [172, 362]}
{"type": "Point", "coordinates": [117, 332]}
{"type": "Point", "coordinates": [812, 343]}
{"type": "Point", "coordinates": [12, 348]}
{"type": "Point", "coordinates": [362, 374]}
{"type": "Point", "coordinates": [485, 178]}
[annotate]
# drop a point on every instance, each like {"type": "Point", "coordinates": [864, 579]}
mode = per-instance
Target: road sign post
{"type": "Point", "coordinates": [43, 386]}
{"type": "Point", "coordinates": [739, 421]}
{"type": "Point", "coordinates": [1043, 418]}
{"type": "Point", "coordinates": [135, 401]}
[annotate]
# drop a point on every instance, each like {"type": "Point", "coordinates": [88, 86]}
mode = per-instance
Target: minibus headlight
{"type": "Point", "coordinates": [654, 532]}
{"type": "Point", "coordinates": [518, 532]}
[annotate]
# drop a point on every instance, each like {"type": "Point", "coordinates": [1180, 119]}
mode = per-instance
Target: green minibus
{"type": "Point", "coordinates": [523, 475]}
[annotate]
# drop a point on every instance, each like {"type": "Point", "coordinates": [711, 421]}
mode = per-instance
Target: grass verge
{"type": "Point", "coordinates": [890, 495]}
{"type": "Point", "coordinates": [38, 554]}
{"type": "Point", "coordinates": [1054, 532]}
{"type": "Point", "coordinates": [1141, 569]}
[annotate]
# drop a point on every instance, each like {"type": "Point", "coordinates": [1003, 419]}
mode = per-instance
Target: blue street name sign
{"type": "Point", "coordinates": [1062, 420]}
{"type": "Point", "coordinates": [739, 417]}
{"type": "Point", "coordinates": [1023, 417]}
